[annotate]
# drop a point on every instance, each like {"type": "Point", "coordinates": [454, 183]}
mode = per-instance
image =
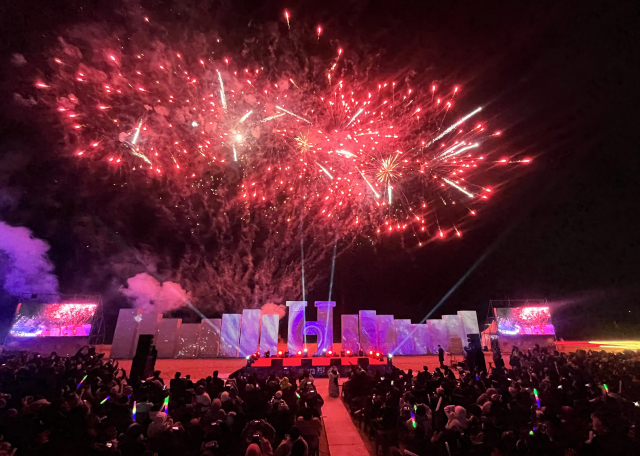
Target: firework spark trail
{"type": "Point", "coordinates": [243, 118]}
{"type": "Point", "coordinates": [286, 15]}
{"type": "Point", "coordinates": [369, 184]}
{"type": "Point", "coordinates": [293, 114]}
{"type": "Point", "coordinates": [360, 111]}
{"type": "Point", "coordinates": [454, 126]}
{"type": "Point", "coordinates": [223, 97]}
{"type": "Point", "coordinates": [457, 187]}
{"type": "Point", "coordinates": [267, 119]}
{"type": "Point", "coordinates": [139, 155]}
{"type": "Point", "coordinates": [345, 153]}
{"type": "Point", "coordinates": [325, 170]}
{"type": "Point", "coordinates": [459, 151]}
{"type": "Point", "coordinates": [137, 134]}
{"type": "Point", "coordinates": [451, 150]}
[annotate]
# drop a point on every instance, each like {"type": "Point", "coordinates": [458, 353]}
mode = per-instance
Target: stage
{"type": "Point", "coordinates": [202, 368]}
{"type": "Point", "coordinates": [317, 366]}
{"type": "Point", "coordinates": [320, 361]}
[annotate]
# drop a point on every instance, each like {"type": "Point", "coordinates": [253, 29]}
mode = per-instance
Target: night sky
{"type": "Point", "coordinates": [561, 79]}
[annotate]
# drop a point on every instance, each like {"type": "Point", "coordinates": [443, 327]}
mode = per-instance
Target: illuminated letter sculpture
{"type": "Point", "coordinates": [295, 341]}
{"type": "Point", "coordinates": [323, 327]}
{"type": "Point", "coordinates": [298, 327]}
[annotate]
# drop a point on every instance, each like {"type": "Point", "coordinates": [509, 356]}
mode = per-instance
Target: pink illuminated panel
{"type": "Point", "coordinates": [524, 320]}
{"type": "Point", "coordinates": [58, 320]}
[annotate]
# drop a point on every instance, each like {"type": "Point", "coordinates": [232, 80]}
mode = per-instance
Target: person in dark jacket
{"type": "Point", "coordinates": [441, 356]}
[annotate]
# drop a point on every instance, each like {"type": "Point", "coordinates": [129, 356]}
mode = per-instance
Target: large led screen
{"type": "Point", "coordinates": [524, 320]}
{"type": "Point", "coordinates": [58, 320]}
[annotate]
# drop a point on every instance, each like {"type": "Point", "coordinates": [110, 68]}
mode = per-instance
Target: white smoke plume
{"type": "Point", "coordinates": [24, 264]}
{"type": "Point", "coordinates": [152, 296]}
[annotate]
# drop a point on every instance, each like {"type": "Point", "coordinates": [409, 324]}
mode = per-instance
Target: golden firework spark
{"type": "Point", "coordinates": [389, 170]}
{"type": "Point", "coordinates": [303, 143]}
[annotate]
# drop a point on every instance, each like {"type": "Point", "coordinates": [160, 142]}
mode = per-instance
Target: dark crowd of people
{"type": "Point", "coordinates": [545, 403]}
{"type": "Point", "coordinates": [84, 405]}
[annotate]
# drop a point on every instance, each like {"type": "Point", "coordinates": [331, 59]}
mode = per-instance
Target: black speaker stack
{"type": "Point", "coordinates": [475, 355]}
{"type": "Point", "coordinates": [144, 361]}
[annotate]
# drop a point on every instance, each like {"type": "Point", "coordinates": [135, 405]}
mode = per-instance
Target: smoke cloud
{"type": "Point", "coordinates": [273, 309]}
{"type": "Point", "coordinates": [152, 296]}
{"type": "Point", "coordinates": [24, 264]}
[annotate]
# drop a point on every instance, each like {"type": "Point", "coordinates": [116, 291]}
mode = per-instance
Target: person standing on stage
{"type": "Point", "coordinates": [441, 356]}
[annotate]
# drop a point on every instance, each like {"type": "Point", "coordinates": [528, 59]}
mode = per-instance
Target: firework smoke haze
{"type": "Point", "coordinates": [24, 262]}
{"type": "Point", "coordinates": [150, 295]}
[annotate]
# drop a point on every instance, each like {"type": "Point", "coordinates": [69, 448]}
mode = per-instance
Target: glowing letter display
{"type": "Point", "coordinates": [405, 345]}
{"type": "Point", "coordinates": [250, 334]}
{"type": "Point", "coordinates": [269, 334]}
{"type": "Point", "coordinates": [323, 327]}
{"type": "Point", "coordinates": [187, 346]}
{"type": "Point", "coordinates": [350, 333]}
{"type": "Point", "coordinates": [295, 341]}
{"type": "Point", "coordinates": [209, 339]}
{"type": "Point", "coordinates": [368, 335]}
{"type": "Point", "coordinates": [230, 335]}
{"type": "Point", "coordinates": [437, 335]}
{"type": "Point", "coordinates": [167, 339]}
{"type": "Point", "coordinates": [386, 332]}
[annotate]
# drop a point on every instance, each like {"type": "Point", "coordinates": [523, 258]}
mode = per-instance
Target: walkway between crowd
{"type": "Point", "coordinates": [342, 436]}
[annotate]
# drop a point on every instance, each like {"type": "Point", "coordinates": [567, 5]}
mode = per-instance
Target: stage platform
{"type": "Point", "coordinates": [201, 368]}
{"type": "Point", "coordinates": [318, 361]}
{"type": "Point", "coordinates": [318, 367]}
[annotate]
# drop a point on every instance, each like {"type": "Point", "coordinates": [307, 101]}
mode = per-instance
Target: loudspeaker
{"type": "Point", "coordinates": [144, 361]}
{"type": "Point", "coordinates": [144, 345]}
{"type": "Point", "coordinates": [307, 363]}
{"type": "Point", "coordinates": [335, 362]}
{"type": "Point", "coordinates": [276, 362]}
{"type": "Point", "coordinates": [364, 362]}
